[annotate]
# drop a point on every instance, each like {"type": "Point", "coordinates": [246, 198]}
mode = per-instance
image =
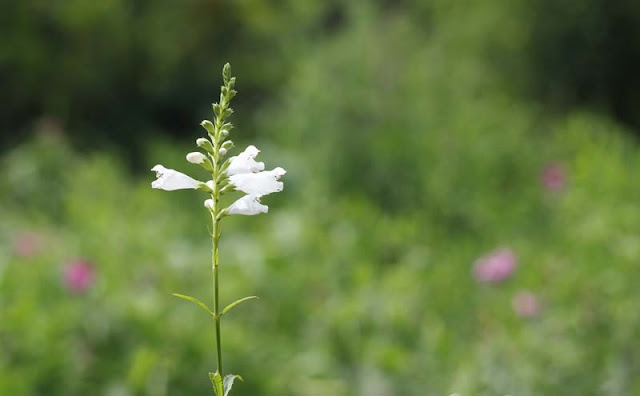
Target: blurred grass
{"type": "Point", "coordinates": [408, 158]}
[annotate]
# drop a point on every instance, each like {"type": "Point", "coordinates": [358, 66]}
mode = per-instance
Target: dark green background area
{"type": "Point", "coordinates": [123, 69]}
{"type": "Point", "coordinates": [416, 135]}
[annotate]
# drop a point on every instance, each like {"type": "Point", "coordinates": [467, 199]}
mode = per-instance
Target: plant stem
{"type": "Point", "coordinates": [215, 237]}
{"type": "Point", "coordinates": [216, 158]}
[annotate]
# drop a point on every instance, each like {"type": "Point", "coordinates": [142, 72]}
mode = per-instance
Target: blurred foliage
{"type": "Point", "coordinates": [121, 71]}
{"type": "Point", "coordinates": [586, 53]}
{"type": "Point", "coordinates": [413, 148]}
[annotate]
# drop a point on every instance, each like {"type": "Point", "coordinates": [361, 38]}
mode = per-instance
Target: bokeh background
{"type": "Point", "coordinates": [461, 211]}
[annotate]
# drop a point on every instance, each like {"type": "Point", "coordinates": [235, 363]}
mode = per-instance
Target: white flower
{"type": "Point", "coordinates": [208, 204]}
{"type": "Point", "coordinates": [261, 183]}
{"type": "Point", "coordinates": [169, 179]}
{"type": "Point", "coordinates": [248, 205]}
{"type": "Point", "coordinates": [196, 157]}
{"type": "Point", "coordinates": [210, 184]}
{"type": "Point", "coordinates": [245, 162]}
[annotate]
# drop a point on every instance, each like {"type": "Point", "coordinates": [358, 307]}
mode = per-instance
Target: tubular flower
{"type": "Point", "coordinates": [248, 205]}
{"type": "Point", "coordinates": [170, 180]}
{"type": "Point", "coordinates": [245, 162]}
{"type": "Point", "coordinates": [261, 183]}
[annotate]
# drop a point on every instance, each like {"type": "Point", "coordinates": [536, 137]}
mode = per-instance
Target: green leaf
{"type": "Point", "coordinates": [233, 304]}
{"type": "Point", "coordinates": [197, 302]}
{"type": "Point", "coordinates": [228, 382]}
{"type": "Point", "coordinates": [217, 383]}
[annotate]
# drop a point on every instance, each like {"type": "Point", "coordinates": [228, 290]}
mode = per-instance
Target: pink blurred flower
{"type": "Point", "coordinates": [78, 276]}
{"type": "Point", "coordinates": [526, 304]}
{"type": "Point", "coordinates": [495, 266]}
{"type": "Point", "coordinates": [553, 177]}
{"type": "Point", "coordinates": [26, 244]}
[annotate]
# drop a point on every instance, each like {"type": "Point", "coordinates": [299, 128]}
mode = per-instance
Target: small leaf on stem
{"type": "Point", "coordinates": [233, 304]}
{"type": "Point", "coordinates": [228, 382]}
{"type": "Point", "coordinates": [216, 381]}
{"type": "Point", "coordinates": [197, 302]}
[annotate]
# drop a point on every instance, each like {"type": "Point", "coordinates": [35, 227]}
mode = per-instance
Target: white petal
{"type": "Point", "coordinates": [261, 183]}
{"type": "Point", "coordinates": [196, 157]}
{"type": "Point", "coordinates": [248, 205]}
{"type": "Point", "coordinates": [208, 204]}
{"type": "Point", "coordinates": [245, 162]}
{"type": "Point", "coordinates": [169, 179]}
{"type": "Point", "coordinates": [278, 172]}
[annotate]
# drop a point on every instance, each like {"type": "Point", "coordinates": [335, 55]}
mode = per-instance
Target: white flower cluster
{"type": "Point", "coordinates": [243, 173]}
{"type": "Point", "coordinates": [248, 176]}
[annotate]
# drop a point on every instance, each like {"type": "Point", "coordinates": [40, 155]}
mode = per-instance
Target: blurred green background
{"type": "Point", "coordinates": [461, 211]}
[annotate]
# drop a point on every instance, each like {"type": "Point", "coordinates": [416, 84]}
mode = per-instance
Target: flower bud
{"type": "Point", "coordinates": [227, 145]}
{"type": "Point", "coordinates": [196, 158]}
{"type": "Point", "coordinates": [224, 132]}
{"type": "Point", "coordinates": [204, 187]}
{"type": "Point", "coordinates": [206, 124]}
{"type": "Point", "coordinates": [208, 204]}
{"type": "Point", "coordinates": [210, 184]}
{"type": "Point", "coordinates": [223, 151]}
{"type": "Point", "coordinates": [226, 72]}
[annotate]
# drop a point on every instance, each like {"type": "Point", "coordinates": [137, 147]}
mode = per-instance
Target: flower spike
{"type": "Point", "coordinates": [238, 173]}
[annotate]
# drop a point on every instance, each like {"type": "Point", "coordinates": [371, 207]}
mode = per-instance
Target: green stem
{"type": "Point", "coordinates": [217, 140]}
{"type": "Point", "coordinates": [214, 264]}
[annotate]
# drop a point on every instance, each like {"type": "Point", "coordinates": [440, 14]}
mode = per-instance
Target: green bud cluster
{"type": "Point", "coordinates": [217, 145]}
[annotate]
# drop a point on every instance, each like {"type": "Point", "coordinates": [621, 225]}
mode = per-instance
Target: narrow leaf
{"type": "Point", "coordinates": [228, 382]}
{"type": "Point", "coordinates": [233, 304]}
{"type": "Point", "coordinates": [195, 301]}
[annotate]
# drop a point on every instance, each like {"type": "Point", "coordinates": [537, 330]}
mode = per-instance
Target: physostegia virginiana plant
{"type": "Point", "coordinates": [239, 173]}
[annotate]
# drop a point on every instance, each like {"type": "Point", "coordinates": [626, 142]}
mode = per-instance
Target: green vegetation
{"type": "Point", "coordinates": [414, 146]}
